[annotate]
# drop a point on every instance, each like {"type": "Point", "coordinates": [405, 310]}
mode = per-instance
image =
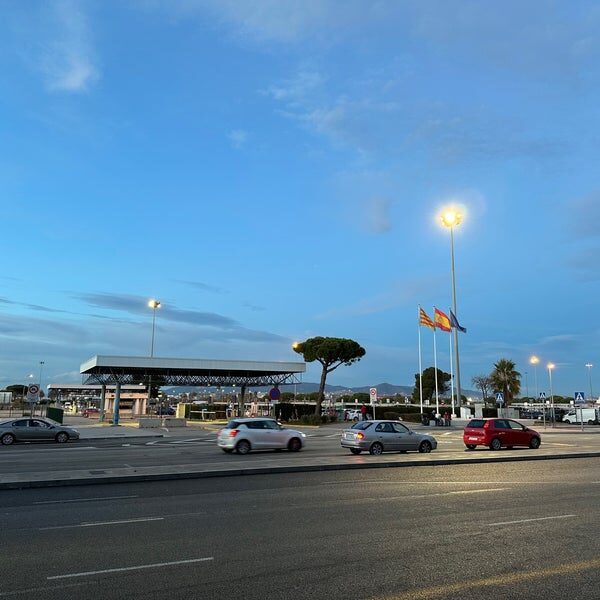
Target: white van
{"type": "Point", "coordinates": [576, 415]}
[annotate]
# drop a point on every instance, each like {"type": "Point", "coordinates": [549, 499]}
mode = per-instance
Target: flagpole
{"type": "Point", "coordinates": [437, 396]}
{"type": "Point", "coordinates": [420, 360]}
{"type": "Point", "coordinates": [451, 377]}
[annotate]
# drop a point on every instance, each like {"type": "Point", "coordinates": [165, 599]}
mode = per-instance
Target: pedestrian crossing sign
{"type": "Point", "coordinates": [579, 397]}
{"type": "Point", "coordinates": [542, 395]}
{"type": "Point", "coordinates": [499, 398]}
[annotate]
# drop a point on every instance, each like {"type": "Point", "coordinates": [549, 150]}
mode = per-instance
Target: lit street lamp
{"type": "Point", "coordinates": [589, 368]}
{"type": "Point", "coordinates": [450, 218]}
{"type": "Point", "coordinates": [153, 304]}
{"type": "Point", "coordinates": [534, 360]}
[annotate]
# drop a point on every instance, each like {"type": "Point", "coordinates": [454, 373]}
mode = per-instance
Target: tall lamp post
{"type": "Point", "coordinates": [42, 363]}
{"type": "Point", "coordinates": [550, 367]}
{"type": "Point", "coordinates": [589, 368]}
{"type": "Point", "coordinates": [534, 360]}
{"type": "Point", "coordinates": [153, 304]}
{"type": "Point", "coordinates": [451, 218]}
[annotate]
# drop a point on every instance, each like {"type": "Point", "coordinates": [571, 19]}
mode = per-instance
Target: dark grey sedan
{"type": "Point", "coordinates": [385, 436]}
{"type": "Point", "coordinates": [27, 429]}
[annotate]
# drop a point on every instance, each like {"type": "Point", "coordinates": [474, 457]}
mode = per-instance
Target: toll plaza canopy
{"type": "Point", "coordinates": [133, 370]}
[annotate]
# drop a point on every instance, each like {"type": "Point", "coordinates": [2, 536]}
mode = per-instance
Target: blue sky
{"type": "Point", "coordinates": [272, 171]}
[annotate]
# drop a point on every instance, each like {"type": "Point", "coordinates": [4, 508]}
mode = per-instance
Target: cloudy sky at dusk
{"type": "Point", "coordinates": [271, 171]}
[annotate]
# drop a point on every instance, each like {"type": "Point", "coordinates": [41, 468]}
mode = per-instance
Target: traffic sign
{"type": "Point", "coordinates": [373, 395]}
{"type": "Point", "coordinates": [499, 398]}
{"type": "Point", "coordinates": [274, 393]}
{"type": "Point", "coordinates": [33, 392]}
{"type": "Point", "coordinates": [542, 395]}
{"type": "Point", "coordinates": [579, 397]}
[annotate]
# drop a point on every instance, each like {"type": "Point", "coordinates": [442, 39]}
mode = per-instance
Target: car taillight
{"type": "Point", "coordinates": [233, 432]}
{"type": "Point", "coordinates": [360, 435]}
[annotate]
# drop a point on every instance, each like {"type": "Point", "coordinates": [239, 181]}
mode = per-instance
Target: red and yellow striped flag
{"type": "Point", "coordinates": [442, 320]}
{"type": "Point", "coordinates": [425, 319]}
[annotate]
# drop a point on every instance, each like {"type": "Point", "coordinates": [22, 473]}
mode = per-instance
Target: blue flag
{"type": "Point", "coordinates": [455, 323]}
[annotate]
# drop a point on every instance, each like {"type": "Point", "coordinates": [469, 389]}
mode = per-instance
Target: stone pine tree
{"type": "Point", "coordinates": [331, 353]}
{"type": "Point", "coordinates": [428, 379]}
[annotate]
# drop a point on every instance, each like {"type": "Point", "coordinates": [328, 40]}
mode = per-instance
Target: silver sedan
{"type": "Point", "coordinates": [385, 436]}
{"type": "Point", "coordinates": [27, 429]}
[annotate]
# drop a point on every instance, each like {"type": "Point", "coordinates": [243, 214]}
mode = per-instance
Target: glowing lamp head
{"type": "Point", "coordinates": [550, 366]}
{"type": "Point", "coordinates": [295, 345]}
{"type": "Point", "coordinates": [153, 303]}
{"type": "Point", "coordinates": [534, 360]}
{"type": "Point", "coordinates": [451, 217]}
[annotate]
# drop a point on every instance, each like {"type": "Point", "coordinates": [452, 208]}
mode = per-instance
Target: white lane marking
{"type": "Point", "coordinates": [125, 445]}
{"type": "Point", "coordinates": [531, 520]}
{"type": "Point", "coordinates": [85, 499]}
{"type": "Point", "coordinates": [152, 443]}
{"type": "Point", "coordinates": [99, 523]}
{"type": "Point", "coordinates": [29, 453]}
{"type": "Point", "coordinates": [457, 492]}
{"type": "Point", "coordinates": [136, 568]}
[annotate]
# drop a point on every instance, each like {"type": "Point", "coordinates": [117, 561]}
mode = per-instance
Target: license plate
{"type": "Point", "coordinates": [473, 439]}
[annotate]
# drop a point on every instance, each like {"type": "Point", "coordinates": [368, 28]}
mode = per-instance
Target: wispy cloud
{"type": "Point", "coordinates": [205, 287]}
{"type": "Point", "coordinates": [67, 58]}
{"type": "Point", "coordinates": [378, 215]}
{"type": "Point", "coordinates": [237, 138]}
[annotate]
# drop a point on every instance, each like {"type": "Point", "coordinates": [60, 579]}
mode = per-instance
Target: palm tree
{"type": "Point", "coordinates": [506, 379]}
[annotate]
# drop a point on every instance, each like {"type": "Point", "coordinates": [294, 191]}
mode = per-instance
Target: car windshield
{"type": "Point", "coordinates": [362, 425]}
{"type": "Point", "coordinates": [477, 423]}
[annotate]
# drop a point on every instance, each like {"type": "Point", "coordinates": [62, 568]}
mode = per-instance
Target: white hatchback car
{"type": "Point", "coordinates": [258, 433]}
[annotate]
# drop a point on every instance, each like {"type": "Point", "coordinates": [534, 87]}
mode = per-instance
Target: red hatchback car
{"type": "Point", "coordinates": [498, 433]}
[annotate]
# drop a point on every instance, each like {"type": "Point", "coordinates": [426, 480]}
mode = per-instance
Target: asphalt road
{"type": "Point", "coordinates": [507, 531]}
{"type": "Point", "coordinates": [199, 448]}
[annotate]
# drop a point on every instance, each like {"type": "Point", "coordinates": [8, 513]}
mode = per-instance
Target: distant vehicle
{"type": "Point", "coordinates": [90, 412]}
{"type": "Point", "coordinates": [354, 415]}
{"type": "Point", "coordinates": [379, 436]}
{"type": "Point", "coordinates": [168, 411]}
{"type": "Point", "coordinates": [499, 433]}
{"type": "Point", "coordinates": [35, 430]}
{"type": "Point", "coordinates": [589, 416]}
{"type": "Point", "coordinates": [244, 435]}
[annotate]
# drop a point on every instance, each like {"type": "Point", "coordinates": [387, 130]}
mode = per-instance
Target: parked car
{"type": "Point", "coordinates": [257, 433]}
{"type": "Point", "coordinates": [353, 415]}
{"type": "Point", "coordinates": [385, 436]}
{"type": "Point", "coordinates": [168, 411]}
{"type": "Point", "coordinates": [499, 433]}
{"type": "Point", "coordinates": [35, 430]}
{"type": "Point", "coordinates": [90, 412]}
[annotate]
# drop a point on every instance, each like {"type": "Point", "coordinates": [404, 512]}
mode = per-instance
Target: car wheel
{"type": "Point", "coordinates": [242, 447]}
{"type": "Point", "coordinates": [355, 450]}
{"type": "Point", "coordinates": [7, 439]}
{"type": "Point", "coordinates": [425, 447]}
{"type": "Point", "coordinates": [470, 446]}
{"type": "Point", "coordinates": [294, 445]}
{"type": "Point", "coordinates": [534, 443]}
{"type": "Point", "coordinates": [62, 437]}
{"type": "Point", "coordinates": [496, 444]}
{"type": "Point", "coordinates": [376, 449]}
{"type": "Point", "coordinates": [355, 419]}
{"type": "Point", "coordinates": [227, 450]}
{"type": "Point", "coordinates": [590, 422]}
{"type": "Point", "coordinates": [567, 421]}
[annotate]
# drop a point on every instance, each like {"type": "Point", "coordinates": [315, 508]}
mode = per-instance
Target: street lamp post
{"type": "Point", "coordinates": [153, 304]}
{"type": "Point", "coordinates": [451, 218]}
{"type": "Point", "coordinates": [534, 360]}
{"type": "Point", "coordinates": [40, 380]}
{"type": "Point", "coordinates": [589, 368]}
{"type": "Point", "coordinates": [551, 366]}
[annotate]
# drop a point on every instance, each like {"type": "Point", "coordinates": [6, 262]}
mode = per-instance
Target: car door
{"type": "Point", "coordinates": [258, 434]}
{"type": "Point", "coordinates": [275, 436]}
{"type": "Point", "coordinates": [518, 435]}
{"type": "Point", "coordinates": [386, 434]}
{"type": "Point", "coordinates": [405, 439]}
{"type": "Point", "coordinates": [40, 430]}
{"type": "Point", "coordinates": [502, 431]}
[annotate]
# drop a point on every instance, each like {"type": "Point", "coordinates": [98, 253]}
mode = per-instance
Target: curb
{"type": "Point", "coordinates": [110, 479]}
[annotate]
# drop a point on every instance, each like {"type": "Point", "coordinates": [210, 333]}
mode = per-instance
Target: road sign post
{"type": "Point", "coordinates": [373, 398]}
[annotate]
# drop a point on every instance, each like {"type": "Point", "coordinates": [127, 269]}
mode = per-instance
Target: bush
{"type": "Point", "coordinates": [392, 416]}
{"type": "Point", "coordinates": [313, 419]}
